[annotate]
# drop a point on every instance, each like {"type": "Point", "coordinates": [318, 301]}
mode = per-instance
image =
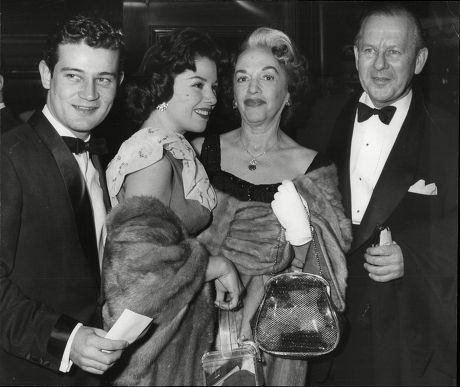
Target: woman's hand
{"type": "Point", "coordinates": [292, 212]}
{"type": "Point", "coordinates": [227, 282]}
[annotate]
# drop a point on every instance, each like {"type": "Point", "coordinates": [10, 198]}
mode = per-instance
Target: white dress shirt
{"type": "Point", "coordinates": [91, 177]}
{"type": "Point", "coordinates": [370, 146]}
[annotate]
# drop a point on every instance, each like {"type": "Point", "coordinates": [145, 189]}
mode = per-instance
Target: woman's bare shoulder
{"type": "Point", "coordinates": [298, 156]}
{"type": "Point", "coordinates": [231, 136]}
{"type": "Point", "coordinates": [299, 150]}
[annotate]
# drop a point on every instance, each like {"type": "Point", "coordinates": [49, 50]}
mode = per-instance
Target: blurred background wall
{"type": "Point", "coordinates": [323, 31]}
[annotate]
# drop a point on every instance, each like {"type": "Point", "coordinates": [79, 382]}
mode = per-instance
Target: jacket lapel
{"type": "Point", "coordinates": [76, 187]}
{"type": "Point", "coordinates": [397, 174]}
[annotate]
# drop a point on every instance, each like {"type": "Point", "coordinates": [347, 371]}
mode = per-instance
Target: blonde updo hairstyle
{"type": "Point", "coordinates": [286, 54]}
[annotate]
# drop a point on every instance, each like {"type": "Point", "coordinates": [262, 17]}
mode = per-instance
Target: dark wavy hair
{"type": "Point", "coordinates": [154, 81]}
{"type": "Point", "coordinates": [95, 32]}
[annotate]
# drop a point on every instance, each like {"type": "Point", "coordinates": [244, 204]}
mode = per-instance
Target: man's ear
{"type": "Point", "coordinates": [356, 51]}
{"type": "Point", "coordinates": [1, 82]}
{"type": "Point", "coordinates": [121, 77]}
{"type": "Point", "coordinates": [420, 61]}
{"type": "Point", "coordinates": [45, 74]}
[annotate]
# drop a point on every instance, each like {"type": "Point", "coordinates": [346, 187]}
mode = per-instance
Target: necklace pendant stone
{"type": "Point", "coordinates": [252, 165]}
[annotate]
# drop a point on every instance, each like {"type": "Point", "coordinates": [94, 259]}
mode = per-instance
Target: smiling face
{"type": "Point", "coordinates": [260, 87]}
{"type": "Point", "coordinates": [194, 98]}
{"type": "Point", "coordinates": [82, 87]}
{"type": "Point", "coordinates": [387, 59]}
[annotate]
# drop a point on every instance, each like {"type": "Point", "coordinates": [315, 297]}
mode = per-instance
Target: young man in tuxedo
{"type": "Point", "coordinates": [52, 217]}
{"type": "Point", "coordinates": [398, 168]}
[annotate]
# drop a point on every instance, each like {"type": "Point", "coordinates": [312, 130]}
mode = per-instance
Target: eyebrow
{"type": "Point", "coordinates": [198, 77]}
{"type": "Point", "coordinates": [263, 69]}
{"type": "Point", "coordinates": [270, 68]}
{"type": "Point", "coordinates": [77, 70]}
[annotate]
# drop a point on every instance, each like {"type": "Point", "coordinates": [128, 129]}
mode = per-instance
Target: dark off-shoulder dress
{"type": "Point", "coordinates": [233, 185]}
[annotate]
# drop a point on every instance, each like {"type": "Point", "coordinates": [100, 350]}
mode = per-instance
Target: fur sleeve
{"type": "Point", "coordinates": [150, 264]}
{"type": "Point", "coordinates": [152, 267]}
{"type": "Point", "coordinates": [249, 234]}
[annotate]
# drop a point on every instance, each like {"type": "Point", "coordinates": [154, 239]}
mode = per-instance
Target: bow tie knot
{"type": "Point", "coordinates": [96, 146]}
{"type": "Point", "coordinates": [385, 114]}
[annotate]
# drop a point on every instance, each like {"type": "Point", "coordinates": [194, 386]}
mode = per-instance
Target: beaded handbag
{"type": "Point", "coordinates": [297, 317]}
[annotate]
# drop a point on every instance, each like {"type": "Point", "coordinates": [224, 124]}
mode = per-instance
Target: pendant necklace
{"type": "Point", "coordinates": [252, 166]}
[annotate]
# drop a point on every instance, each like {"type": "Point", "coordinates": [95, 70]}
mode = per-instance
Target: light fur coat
{"type": "Point", "coordinates": [152, 267]}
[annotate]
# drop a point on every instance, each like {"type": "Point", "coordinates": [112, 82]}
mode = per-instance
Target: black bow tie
{"type": "Point", "coordinates": [385, 114]}
{"type": "Point", "coordinates": [97, 146]}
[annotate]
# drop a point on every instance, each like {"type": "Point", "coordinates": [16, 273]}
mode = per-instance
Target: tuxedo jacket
{"type": "Point", "coordinates": [49, 266]}
{"type": "Point", "coordinates": [410, 322]}
{"type": "Point", "coordinates": [7, 120]}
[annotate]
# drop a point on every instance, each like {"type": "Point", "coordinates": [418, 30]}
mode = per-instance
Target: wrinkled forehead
{"type": "Point", "coordinates": [396, 29]}
{"type": "Point", "coordinates": [257, 58]}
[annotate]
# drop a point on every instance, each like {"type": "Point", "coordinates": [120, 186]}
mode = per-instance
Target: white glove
{"type": "Point", "coordinates": [292, 212]}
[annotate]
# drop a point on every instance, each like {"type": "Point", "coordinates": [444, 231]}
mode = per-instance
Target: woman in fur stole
{"type": "Point", "coordinates": [162, 197]}
{"type": "Point", "coordinates": [247, 166]}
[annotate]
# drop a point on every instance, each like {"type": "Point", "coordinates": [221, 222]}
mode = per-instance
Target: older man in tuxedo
{"type": "Point", "coordinates": [52, 217]}
{"type": "Point", "coordinates": [398, 163]}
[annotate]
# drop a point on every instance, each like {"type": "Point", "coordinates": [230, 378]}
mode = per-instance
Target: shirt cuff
{"type": "Point", "coordinates": [66, 363]}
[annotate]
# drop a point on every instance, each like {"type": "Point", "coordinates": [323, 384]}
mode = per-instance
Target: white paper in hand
{"type": "Point", "coordinates": [128, 326]}
{"type": "Point", "coordinates": [385, 237]}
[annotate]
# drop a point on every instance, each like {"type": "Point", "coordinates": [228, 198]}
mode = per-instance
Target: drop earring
{"type": "Point", "coordinates": [162, 106]}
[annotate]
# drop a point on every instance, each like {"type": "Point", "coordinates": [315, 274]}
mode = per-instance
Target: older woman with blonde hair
{"type": "Point", "coordinates": [248, 165]}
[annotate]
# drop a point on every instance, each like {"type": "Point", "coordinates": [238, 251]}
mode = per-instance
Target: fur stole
{"type": "Point", "coordinates": [249, 234]}
{"type": "Point", "coordinates": [319, 188]}
{"type": "Point", "coordinates": [152, 267]}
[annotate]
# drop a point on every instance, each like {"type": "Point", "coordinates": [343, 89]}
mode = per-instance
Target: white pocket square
{"type": "Point", "coordinates": [421, 188]}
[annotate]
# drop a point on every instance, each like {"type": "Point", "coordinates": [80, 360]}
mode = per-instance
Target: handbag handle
{"type": "Point", "coordinates": [315, 246]}
{"type": "Point", "coordinates": [228, 338]}
{"type": "Point", "coordinates": [313, 234]}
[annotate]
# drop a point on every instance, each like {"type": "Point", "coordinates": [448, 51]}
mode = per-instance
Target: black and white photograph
{"type": "Point", "coordinates": [229, 193]}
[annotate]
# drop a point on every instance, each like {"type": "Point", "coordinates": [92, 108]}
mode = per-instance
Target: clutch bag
{"type": "Point", "coordinates": [234, 363]}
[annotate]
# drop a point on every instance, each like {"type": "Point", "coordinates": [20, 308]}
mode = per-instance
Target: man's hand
{"type": "Point", "coordinates": [87, 346]}
{"type": "Point", "coordinates": [384, 263]}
